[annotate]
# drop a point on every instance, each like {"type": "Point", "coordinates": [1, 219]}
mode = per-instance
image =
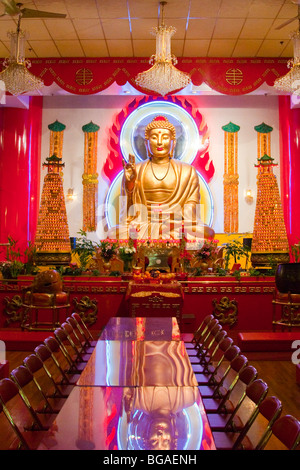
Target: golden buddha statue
{"type": "Point", "coordinates": [162, 194]}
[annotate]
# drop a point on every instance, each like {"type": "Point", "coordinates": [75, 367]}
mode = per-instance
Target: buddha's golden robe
{"type": "Point", "coordinates": [162, 208]}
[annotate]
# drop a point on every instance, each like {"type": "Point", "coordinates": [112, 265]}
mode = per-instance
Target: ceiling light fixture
{"type": "Point", "coordinates": [290, 82]}
{"type": "Point", "coordinates": [16, 76]}
{"type": "Point", "coordinates": [163, 77]}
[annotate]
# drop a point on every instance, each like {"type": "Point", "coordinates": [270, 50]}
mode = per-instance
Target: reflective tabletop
{"type": "Point", "coordinates": [137, 392]}
{"type": "Point", "coordinates": [139, 418]}
{"type": "Point", "coordinates": [141, 329]}
{"type": "Point", "coordinates": [138, 363]}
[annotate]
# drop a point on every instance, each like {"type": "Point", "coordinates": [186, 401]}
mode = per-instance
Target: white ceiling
{"type": "Point", "coordinates": [122, 28]}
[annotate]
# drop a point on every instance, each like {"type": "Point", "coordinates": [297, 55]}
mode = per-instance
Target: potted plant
{"type": "Point", "coordinates": [84, 249]}
{"type": "Point", "coordinates": [106, 249]}
{"type": "Point", "coordinates": [12, 266]}
{"type": "Point", "coordinates": [126, 254]}
{"type": "Point", "coordinates": [205, 256]}
{"type": "Point", "coordinates": [236, 250]}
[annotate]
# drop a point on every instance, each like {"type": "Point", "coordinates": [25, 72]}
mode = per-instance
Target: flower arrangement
{"type": "Point", "coordinates": [209, 249]}
{"type": "Point", "coordinates": [126, 252]}
{"type": "Point", "coordinates": [107, 249]}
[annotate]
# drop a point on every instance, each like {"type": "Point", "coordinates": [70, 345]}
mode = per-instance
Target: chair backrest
{"type": "Point", "coordinates": [287, 430]}
{"type": "Point", "coordinates": [202, 326]}
{"type": "Point", "coordinates": [76, 331]}
{"type": "Point", "coordinates": [62, 338]}
{"type": "Point", "coordinates": [32, 394]}
{"type": "Point", "coordinates": [247, 375]}
{"type": "Point", "coordinates": [51, 364]}
{"type": "Point", "coordinates": [33, 363]}
{"type": "Point", "coordinates": [69, 350]}
{"type": "Point", "coordinates": [270, 408]}
{"type": "Point", "coordinates": [59, 355]}
{"type": "Point", "coordinates": [215, 345]}
{"type": "Point", "coordinates": [45, 380]}
{"type": "Point", "coordinates": [72, 338]}
{"type": "Point", "coordinates": [82, 326]}
{"type": "Point", "coordinates": [232, 352]}
{"type": "Point", "coordinates": [237, 364]}
{"type": "Point", "coordinates": [226, 343]}
{"type": "Point", "coordinates": [209, 339]}
{"type": "Point", "coordinates": [256, 392]}
{"type": "Point", "coordinates": [9, 395]}
{"type": "Point", "coordinates": [221, 335]}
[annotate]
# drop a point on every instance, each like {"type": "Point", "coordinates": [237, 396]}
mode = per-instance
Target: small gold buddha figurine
{"type": "Point", "coordinates": [163, 194]}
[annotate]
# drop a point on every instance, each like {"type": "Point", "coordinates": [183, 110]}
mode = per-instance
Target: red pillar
{"type": "Point", "coordinates": [20, 163]}
{"type": "Point", "coordinates": [289, 132]}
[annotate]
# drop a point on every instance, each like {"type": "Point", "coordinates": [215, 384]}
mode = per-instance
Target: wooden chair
{"type": "Point", "coordinates": [270, 409]}
{"type": "Point", "coordinates": [209, 341]}
{"type": "Point", "coordinates": [63, 361]}
{"type": "Point", "coordinates": [228, 440]}
{"type": "Point", "coordinates": [53, 367]}
{"type": "Point", "coordinates": [215, 373]}
{"type": "Point", "coordinates": [45, 380]}
{"type": "Point", "coordinates": [217, 399]}
{"type": "Point", "coordinates": [209, 352]}
{"type": "Point", "coordinates": [231, 421]}
{"type": "Point", "coordinates": [287, 431]}
{"type": "Point", "coordinates": [17, 422]}
{"type": "Point", "coordinates": [84, 329]}
{"type": "Point", "coordinates": [198, 334]}
{"type": "Point", "coordinates": [71, 354]}
{"type": "Point", "coordinates": [203, 340]}
{"type": "Point", "coordinates": [75, 343]}
{"type": "Point", "coordinates": [80, 336]}
{"type": "Point", "coordinates": [33, 397]}
{"type": "Point", "coordinates": [220, 374]}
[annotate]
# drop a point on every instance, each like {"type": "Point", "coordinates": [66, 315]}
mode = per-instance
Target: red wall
{"type": "Point", "coordinates": [20, 162]}
{"type": "Point", "coordinates": [289, 128]}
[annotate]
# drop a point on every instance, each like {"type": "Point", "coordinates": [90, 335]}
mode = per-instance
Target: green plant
{"type": "Point", "coordinates": [295, 251]}
{"type": "Point", "coordinates": [85, 249]}
{"type": "Point", "coordinates": [208, 250]}
{"type": "Point", "coordinates": [237, 274]}
{"type": "Point", "coordinates": [107, 249]}
{"type": "Point", "coordinates": [254, 272]}
{"type": "Point", "coordinates": [221, 271]}
{"type": "Point", "coordinates": [236, 250]}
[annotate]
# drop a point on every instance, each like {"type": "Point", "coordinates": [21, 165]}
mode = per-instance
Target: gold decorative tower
{"type": "Point", "coordinates": [52, 240]}
{"type": "Point", "coordinates": [90, 177]}
{"type": "Point", "coordinates": [231, 178]}
{"type": "Point", "coordinates": [270, 242]}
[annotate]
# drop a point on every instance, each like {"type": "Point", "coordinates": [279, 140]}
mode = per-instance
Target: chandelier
{"type": "Point", "coordinates": [16, 77]}
{"type": "Point", "coordinates": [163, 77]}
{"type": "Point", "coordinates": [290, 82]}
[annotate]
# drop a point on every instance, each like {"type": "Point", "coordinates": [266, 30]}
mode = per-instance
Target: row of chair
{"type": "Point", "coordinates": [36, 390]}
{"type": "Point", "coordinates": [233, 396]}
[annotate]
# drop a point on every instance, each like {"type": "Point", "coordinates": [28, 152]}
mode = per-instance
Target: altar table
{"type": "Point", "coordinates": [137, 392]}
{"type": "Point", "coordinates": [155, 299]}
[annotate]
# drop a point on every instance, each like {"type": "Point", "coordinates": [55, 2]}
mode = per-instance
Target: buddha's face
{"type": "Point", "coordinates": [160, 142]}
{"type": "Point", "coordinates": [160, 436]}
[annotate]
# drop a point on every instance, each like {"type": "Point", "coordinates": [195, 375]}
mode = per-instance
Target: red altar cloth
{"type": "Point", "coordinates": [155, 299]}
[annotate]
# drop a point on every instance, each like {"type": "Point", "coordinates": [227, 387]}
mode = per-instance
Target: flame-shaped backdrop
{"type": "Point", "coordinates": [127, 137]}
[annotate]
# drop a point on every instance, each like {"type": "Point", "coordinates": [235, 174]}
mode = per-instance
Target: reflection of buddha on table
{"type": "Point", "coordinates": [166, 365]}
{"type": "Point", "coordinates": [163, 194]}
{"type": "Point", "coordinates": [162, 409]}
